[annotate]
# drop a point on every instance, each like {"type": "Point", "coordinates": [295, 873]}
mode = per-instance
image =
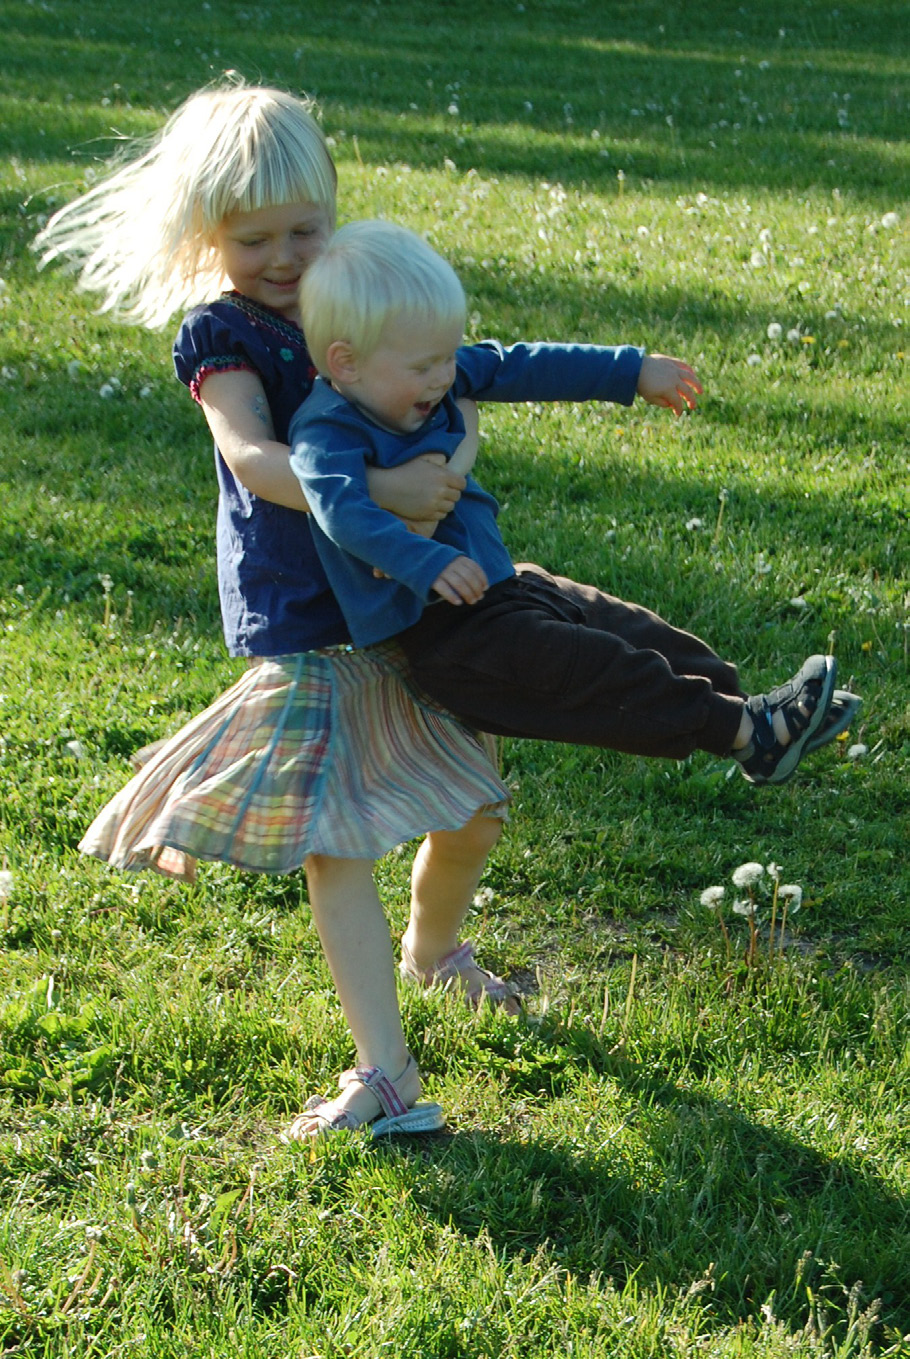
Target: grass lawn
{"type": "Point", "coordinates": [696, 1143]}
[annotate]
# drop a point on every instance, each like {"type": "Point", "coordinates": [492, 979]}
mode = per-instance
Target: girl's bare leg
{"type": "Point", "coordinates": [447, 869]}
{"type": "Point", "coordinates": [355, 938]}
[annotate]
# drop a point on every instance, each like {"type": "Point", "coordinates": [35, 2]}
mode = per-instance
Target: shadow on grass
{"type": "Point", "coordinates": [515, 92]}
{"type": "Point", "coordinates": [701, 1198]}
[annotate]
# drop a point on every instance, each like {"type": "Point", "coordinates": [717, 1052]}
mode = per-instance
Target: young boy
{"type": "Point", "coordinates": [511, 650]}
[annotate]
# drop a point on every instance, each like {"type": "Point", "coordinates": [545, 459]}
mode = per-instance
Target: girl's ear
{"type": "Point", "coordinates": [341, 362]}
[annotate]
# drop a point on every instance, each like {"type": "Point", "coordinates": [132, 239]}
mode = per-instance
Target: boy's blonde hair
{"type": "Point", "coordinates": [371, 273]}
{"type": "Point", "coordinates": [143, 238]}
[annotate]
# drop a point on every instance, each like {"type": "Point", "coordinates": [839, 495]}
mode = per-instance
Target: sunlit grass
{"type": "Point", "coordinates": [690, 1146]}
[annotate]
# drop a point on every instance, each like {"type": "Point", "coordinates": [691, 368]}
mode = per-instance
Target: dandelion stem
{"type": "Point", "coordinates": [630, 995]}
{"type": "Point", "coordinates": [721, 502]}
{"type": "Point", "coordinates": [773, 918]}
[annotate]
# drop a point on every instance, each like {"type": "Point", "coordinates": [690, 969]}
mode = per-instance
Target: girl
{"type": "Point", "coordinates": [320, 755]}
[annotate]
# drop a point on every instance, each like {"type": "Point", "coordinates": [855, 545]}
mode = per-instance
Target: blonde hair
{"type": "Point", "coordinates": [143, 238]}
{"type": "Point", "coordinates": [371, 273]}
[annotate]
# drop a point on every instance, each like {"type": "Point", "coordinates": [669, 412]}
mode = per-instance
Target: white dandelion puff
{"type": "Point", "coordinates": [856, 752]}
{"type": "Point", "coordinates": [792, 894]}
{"type": "Point", "coordinates": [6, 883]}
{"type": "Point", "coordinates": [743, 906]}
{"type": "Point", "coordinates": [747, 875]}
{"type": "Point", "coordinates": [712, 896]}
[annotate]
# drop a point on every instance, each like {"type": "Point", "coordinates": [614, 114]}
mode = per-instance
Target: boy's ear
{"type": "Point", "coordinates": [341, 361]}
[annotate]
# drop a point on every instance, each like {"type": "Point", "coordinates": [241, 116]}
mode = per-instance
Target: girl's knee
{"type": "Point", "coordinates": [473, 840]}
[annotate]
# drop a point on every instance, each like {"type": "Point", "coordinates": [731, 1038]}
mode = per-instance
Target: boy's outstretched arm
{"type": "Point", "coordinates": [664, 381]}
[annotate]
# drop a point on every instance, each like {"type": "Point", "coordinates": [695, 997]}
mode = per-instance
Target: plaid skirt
{"type": "Point", "coordinates": [327, 752]}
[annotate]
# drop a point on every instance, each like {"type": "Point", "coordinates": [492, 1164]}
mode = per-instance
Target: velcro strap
{"type": "Point", "coordinates": [375, 1079]}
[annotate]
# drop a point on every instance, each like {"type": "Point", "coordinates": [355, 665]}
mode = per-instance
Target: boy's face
{"type": "Point", "coordinates": [266, 252]}
{"type": "Point", "coordinates": [407, 375]}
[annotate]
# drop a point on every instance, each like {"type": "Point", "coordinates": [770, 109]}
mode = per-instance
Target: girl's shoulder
{"type": "Point", "coordinates": [234, 332]}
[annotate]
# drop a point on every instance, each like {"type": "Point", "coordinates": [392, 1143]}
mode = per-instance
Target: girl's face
{"type": "Point", "coordinates": [265, 253]}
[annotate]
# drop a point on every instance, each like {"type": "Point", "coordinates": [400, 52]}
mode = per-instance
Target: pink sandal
{"type": "Point", "coordinates": [396, 1117]}
{"type": "Point", "coordinates": [450, 969]}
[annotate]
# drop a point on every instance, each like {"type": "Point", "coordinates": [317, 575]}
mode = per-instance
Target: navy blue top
{"type": "Point", "coordinates": [333, 442]}
{"type": "Point", "coordinates": [275, 597]}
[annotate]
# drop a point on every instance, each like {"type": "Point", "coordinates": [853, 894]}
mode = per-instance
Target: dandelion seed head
{"type": "Point", "coordinates": [857, 751]}
{"type": "Point", "coordinates": [712, 896]}
{"type": "Point", "coordinates": [747, 875]}
{"type": "Point", "coordinates": [890, 220]}
{"type": "Point", "coordinates": [792, 893]}
{"type": "Point", "coordinates": [744, 907]}
{"type": "Point", "coordinates": [6, 883]}
{"type": "Point", "coordinates": [484, 897]}
{"type": "Point", "coordinates": [775, 330]}
{"type": "Point", "coordinates": [754, 360]}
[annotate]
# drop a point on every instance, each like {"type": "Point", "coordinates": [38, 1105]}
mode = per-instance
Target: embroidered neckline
{"type": "Point", "coordinates": [265, 316]}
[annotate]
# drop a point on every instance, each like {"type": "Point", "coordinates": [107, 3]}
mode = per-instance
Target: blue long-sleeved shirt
{"type": "Point", "coordinates": [333, 442]}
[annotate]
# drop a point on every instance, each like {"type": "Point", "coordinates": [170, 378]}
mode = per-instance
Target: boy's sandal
{"type": "Point", "coordinates": [839, 717]}
{"type": "Point", "coordinates": [395, 1117]}
{"type": "Point", "coordinates": [804, 702]}
{"type": "Point", "coordinates": [450, 973]}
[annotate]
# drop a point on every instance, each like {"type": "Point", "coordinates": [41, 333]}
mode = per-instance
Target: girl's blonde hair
{"type": "Point", "coordinates": [143, 238]}
{"type": "Point", "coordinates": [371, 273]}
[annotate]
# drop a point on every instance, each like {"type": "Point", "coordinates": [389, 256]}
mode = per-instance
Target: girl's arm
{"type": "Point", "coordinates": [237, 412]}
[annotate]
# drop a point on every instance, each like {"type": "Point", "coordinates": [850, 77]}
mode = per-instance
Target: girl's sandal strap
{"type": "Point", "coordinates": [396, 1116]}
{"type": "Point", "coordinates": [452, 968]}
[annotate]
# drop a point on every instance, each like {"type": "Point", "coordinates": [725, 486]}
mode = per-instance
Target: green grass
{"type": "Point", "coordinates": [677, 1153]}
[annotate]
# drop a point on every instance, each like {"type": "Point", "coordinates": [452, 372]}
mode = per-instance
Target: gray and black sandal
{"type": "Point", "coordinates": [839, 718]}
{"type": "Point", "coordinates": [804, 702]}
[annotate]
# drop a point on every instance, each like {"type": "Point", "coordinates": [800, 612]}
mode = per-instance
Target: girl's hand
{"type": "Point", "coordinates": [668, 382]}
{"type": "Point", "coordinates": [462, 582]}
{"type": "Point", "coordinates": [424, 488]}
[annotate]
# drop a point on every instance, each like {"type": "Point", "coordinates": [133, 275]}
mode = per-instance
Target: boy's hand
{"type": "Point", "coordinates": [462, 582]}
{"type": "Point", "coordinates": [668, 382]}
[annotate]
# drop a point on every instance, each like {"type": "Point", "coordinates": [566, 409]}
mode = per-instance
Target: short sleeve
{"type": "Point", "coordinates": [207, 343]}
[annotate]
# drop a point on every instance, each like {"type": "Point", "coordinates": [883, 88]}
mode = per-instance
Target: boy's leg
{"type": "Point", "coordinates": [447, 869]}
{"type": "Point", "coordinates": [542, 656]}
{"type": "Point", "coordinates": [355, 938]}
